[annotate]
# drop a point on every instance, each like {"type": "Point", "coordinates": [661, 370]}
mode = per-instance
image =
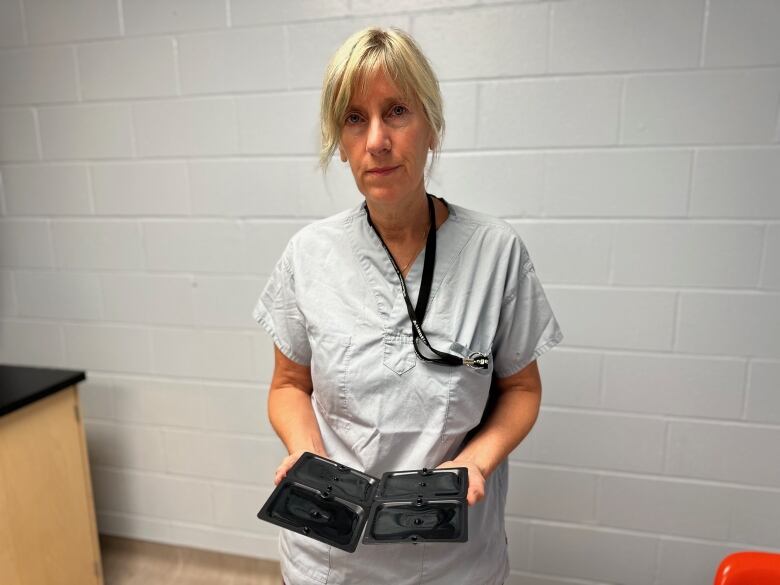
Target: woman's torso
{"type": "Point", "coordinates": [379, 406]}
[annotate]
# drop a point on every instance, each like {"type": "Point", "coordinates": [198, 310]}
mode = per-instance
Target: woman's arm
{"type": "Point", "coordinates": [515, 412]}
{"type": "Point", "coordinates": [291, 413]}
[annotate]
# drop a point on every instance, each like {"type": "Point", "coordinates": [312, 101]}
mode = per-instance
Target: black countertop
{"type": "Point", "coordinates": [20, 385]}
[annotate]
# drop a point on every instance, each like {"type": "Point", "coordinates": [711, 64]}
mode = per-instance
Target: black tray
{"type": "Point", "coordinates": [332, 503]}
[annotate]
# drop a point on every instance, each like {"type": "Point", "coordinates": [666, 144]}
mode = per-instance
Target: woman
{"type": "Point", "coordinates": [355, 380]}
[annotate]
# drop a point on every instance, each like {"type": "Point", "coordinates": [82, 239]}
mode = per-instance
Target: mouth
{"type": "Point", "coordinates": [381, 171]}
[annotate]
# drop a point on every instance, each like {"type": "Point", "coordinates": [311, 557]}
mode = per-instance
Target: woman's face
{"type": "Point", "coordinates": [386, 139]}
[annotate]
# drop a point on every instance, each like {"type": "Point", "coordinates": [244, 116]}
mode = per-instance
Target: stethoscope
{"type": "Point", "coordinates": [417, 314]}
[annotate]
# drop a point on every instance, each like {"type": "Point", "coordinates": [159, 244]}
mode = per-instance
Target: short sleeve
{"type": "Point", "coordinates": [277, 311]}
{"type": "Point", "coordinates": [527, 327]}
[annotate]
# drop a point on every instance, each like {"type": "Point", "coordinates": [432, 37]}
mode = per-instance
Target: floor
{"type": "Point", "coordinates": [135, 562]}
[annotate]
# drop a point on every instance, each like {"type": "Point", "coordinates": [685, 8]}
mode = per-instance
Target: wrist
{"type": "Point", "coordinates": [467, 459]}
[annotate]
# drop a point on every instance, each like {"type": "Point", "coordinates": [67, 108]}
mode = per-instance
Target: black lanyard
{"type": "Point", "coordinates": [417, 314]}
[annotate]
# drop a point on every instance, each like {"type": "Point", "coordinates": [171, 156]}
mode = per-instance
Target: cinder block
{"type": "Point", "coordinates": [142, 17]}
{"type": "Point", "coordinates": [665, 507]}
{"type": "Point", "coordinates": [18, 135]}
{"type": "Point", "coordinates": [131, 526]}
{"type": "Point", "coordinates": [674, 385]}
{"type": "Point", "coordinates": [232, 61]}
{"type": "Point", "coordinates": [740, 182]}
{"type": "Point", "coordinates": [126, 447]}
{"type": "Point", "coordinates": [726, 323]}
{"type": "Point", "coordinates": [566, 251]}
{"type": "Point", "coordinates": [213, 354]}
{"type": "Point", "coordinates": [47, 190]}
{"type": "Point", "coordinates": [756, 516]}
{"type": "Point", "coordinates": [725, 452]}
{"type": "Point", "coordinates": [262, 357]}
{"type": "Point", "coordinates": [460, 116]}
{"type": "Point", "coordinates": [197, 246]}
{"type": "Point", "coordinates": [322, 195]}
{"type": "Point", "coordinates": [241, 188]}
{"type": "Point", "coordinates": [571, 378]}
{"type": "Point", "coordinates": [160, 402]}
{"type": "Point", "coordinates": [763, 394]}
{"type": "Point", "coordinates": [583, 439]}
{"type": "Point", "coordinates": [37, 75]}
{"type": "Point", "coordinates": [509, 185]}
{"type": "Point", "coordinates": [523, 578]}
{"type": "Point", "coordinates": [96, 397]}
{"type": "Point", "coordinates": [374, 6]}
{"type": "Point", "coordinates": [11, 24]}
{"type": "Point", "coordinates": [236, 408]}
{"type": "Point", "coordinates": [614, 318]}
{"type": "Point", "coordinates": [609, 35]}
{"type": "Point", "coordinates": [245, 12]}
{"type": "Point", "coordinates": [551, 494]}
{"type": "Point", "coordinates": [706, 107]}
{"type": "Point", "coordinates": [236, 507]}
{"type": "Point", "coordinates": [33, 344]}
{"type": "Point", "coordinates": [128, 68]}
{"type": "Point", "coordinates": [140, 188]}
{"type": "Point", "coordinates": [152, 495]}
{"type": "Point", "coordinates": [86, 131]}
{"type": "Point", "coordinates": [742, 33]}
{"type": "Point", "coordinates": [7, 294]}
{"type": "Point", "coordinates": [228, 458]}
{"type": "Point", "coordinates": [770, 272]}
{"type": "Point", "coordinates": [311, 45]}
{"type": "Point", "coordinates": [194, 127]}
{"type": "Point", "coordinates": [98, 244]}
{"type": "Point", "coordinates": [617, 183]}
{"type": "Point", "coordinates": [504, 41]}
{"type": "Point", "coordinates": [518, 533]}
{"type": "Point", "coordinates": [682, 561]}
{"type": "Point", "coordinates": [222, 302]}
{"type": "Point", "coordinates": [556, 112]}
{"type": "Point", "coordinates": [107, 347]}
{"type": "Point", "coordinates": [688, 254]}
{"type": "Point", "coordinates": [279, 123]}
{"type": "Point", "coordinates": [265, 243]}
{"type": "Point", "coordinates": [52, 22]}
{"type": "Point", "coordinates": [58, 295]}
{"type": "Point", "coordinates": [578, 552]}
{"type": "Point", "coordinates": [151, 299]}
{"type": "Point", "coordinates": [25, 244]}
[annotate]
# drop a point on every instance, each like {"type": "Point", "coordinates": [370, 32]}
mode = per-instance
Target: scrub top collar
{"type": "Point", "coordinates": [379, 274]}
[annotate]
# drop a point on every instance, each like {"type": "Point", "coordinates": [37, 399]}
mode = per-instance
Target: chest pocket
{"type": "Point", "coordinates": [398, 352]}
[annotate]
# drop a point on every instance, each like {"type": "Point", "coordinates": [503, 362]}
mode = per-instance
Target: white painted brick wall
{"type": "Point", "coordinates": [155, 157]}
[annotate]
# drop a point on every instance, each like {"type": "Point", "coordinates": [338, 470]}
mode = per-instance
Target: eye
{"type": "Point", "coordinates": [352, 119]}
{"type": "Point", "coordinates": [398, 110]}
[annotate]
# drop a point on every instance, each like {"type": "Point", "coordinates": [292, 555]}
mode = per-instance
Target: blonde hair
{"type": "Point", "coordinates": [361, 55]}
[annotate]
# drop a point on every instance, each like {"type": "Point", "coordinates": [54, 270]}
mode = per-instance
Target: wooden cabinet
{"type": "Point", "coordinates": [48, 532]}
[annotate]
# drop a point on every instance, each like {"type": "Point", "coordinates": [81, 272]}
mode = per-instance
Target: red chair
{"type": "Point", "coordinates": [749, 568]}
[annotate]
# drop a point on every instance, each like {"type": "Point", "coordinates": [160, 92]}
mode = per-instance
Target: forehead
{"type": "Point", "coordinates": [376, 86]}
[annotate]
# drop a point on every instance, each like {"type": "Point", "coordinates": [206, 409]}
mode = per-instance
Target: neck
{"type": "Point", "coordinates": [400, 222]}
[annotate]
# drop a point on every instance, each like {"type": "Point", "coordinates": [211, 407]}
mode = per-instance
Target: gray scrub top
{"type": "Point", "coordinates": [333, 302]}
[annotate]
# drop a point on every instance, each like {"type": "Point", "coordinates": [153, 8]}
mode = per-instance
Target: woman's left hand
{"type": "Point", "coordinates": [476, 479]}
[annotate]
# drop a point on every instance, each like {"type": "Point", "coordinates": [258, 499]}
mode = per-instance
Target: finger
{"type": "Point", "coordinates": [476, 493]}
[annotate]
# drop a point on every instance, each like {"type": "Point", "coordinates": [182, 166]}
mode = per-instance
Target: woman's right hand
{"type": "Point", "coordinates": [288, 462]}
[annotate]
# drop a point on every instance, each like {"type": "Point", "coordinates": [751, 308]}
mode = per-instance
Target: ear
{"type": "Point", "coordinates": [342, 155]}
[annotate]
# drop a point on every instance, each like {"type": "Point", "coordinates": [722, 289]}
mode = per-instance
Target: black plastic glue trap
{"type": "Point", "coordinates": [333, 503]}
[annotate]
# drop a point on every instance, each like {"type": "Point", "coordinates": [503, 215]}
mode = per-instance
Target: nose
{"type": "Point", "coordinates": [378, 139]}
